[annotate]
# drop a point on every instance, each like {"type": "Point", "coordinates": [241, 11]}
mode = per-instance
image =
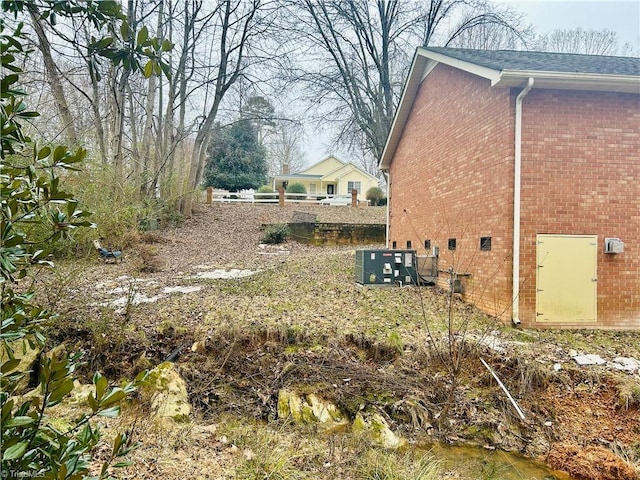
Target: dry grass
{"type": "Point", "coordinates": [302, 321]}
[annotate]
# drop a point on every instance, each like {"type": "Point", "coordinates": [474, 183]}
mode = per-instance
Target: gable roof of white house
{"type": "Point", "coordinates": [344, 170]}
{"type": "Point", "coordinates": [330, 158]}
{"type": "Point", "coordinates": [511, 68]}
{"type": "Point", "coordinates": [333, 174]}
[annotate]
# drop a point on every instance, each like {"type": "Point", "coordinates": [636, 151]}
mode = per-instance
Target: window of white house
{"type": "Point", "coordinates": [312, 188]}
{"type": "Point", "coordinates": [354, 185]}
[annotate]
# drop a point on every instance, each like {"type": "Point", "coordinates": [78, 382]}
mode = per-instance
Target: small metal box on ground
{"type": "Point", "coordinates": [386, 267]}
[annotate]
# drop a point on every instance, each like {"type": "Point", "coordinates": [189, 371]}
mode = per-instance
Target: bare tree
{"type": "Point", "coordinates": [95, 105]}
{"type": "Point", "coordinates": [119, 90]}
{"type": "Point", "coordinates": [280, 133]}
{"type": "Point", "coordinates": [164, 111]}
{"type": "Point", "coordinates": [283, 147]}
{"type": "Point", "coordinates": [631, 49]}
{"type": "Point", "coordinates": [261, 113]}
{"type": "Point", "coordinates": [60, 45]}
{"type": "Point", "coordinates": [54, 78]}
{"type": "Point", "coordinates": [588, 42]}
{"type": "Point", "coordinates": [362, 50]}
{"type": "Point", "coordinates": [495, 29]}
{"type": "Point", "coordinates": [445, 21]}
{"type": "Point", "coordinates": [238, 25]}
{"type": "Point", "coordinates": [359, 52]}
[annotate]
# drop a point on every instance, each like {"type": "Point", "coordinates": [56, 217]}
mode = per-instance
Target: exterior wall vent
{"type": "Point", "coordinates": [613, 245]}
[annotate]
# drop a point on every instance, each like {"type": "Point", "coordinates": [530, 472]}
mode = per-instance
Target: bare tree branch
{"type": "Point", "coordinates": [588, 42]}
{"type": "Point", "coordinates": [360, 52]}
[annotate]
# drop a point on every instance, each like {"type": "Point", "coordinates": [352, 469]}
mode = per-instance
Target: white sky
{"type": "Point", "coordinates": [621, 16]}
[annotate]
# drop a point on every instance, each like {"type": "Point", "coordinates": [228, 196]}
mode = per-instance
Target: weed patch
{"type": "Point", "coordinates": [274, 234]}
{"type": "Point", "coordinates": [376, 465]}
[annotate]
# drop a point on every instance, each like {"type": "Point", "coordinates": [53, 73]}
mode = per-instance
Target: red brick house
{"type": "Point", "coordinates": [523, 170]}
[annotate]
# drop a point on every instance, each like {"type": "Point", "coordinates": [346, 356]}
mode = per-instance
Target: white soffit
{"type": "Point", "coordinates": [489, 73]}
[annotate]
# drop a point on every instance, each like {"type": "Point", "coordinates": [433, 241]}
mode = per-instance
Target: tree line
{"type": "Point", "coordinates": [270, 64]}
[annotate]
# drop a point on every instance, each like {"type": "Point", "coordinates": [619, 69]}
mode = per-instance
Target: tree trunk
{"type": "Point", "coordinates": [118, 125]}
{"type": "Point", "coordinates": [134, 133]}
{"type": "Point", "coordinates": [145, 156]}
{"type": "Point", "coordinates": [146, 184]}
{"type": "Point", "coordinates": [55, 81]}
{"type": "Point", "coordinates": [188, 52]}
{"type": "Point", "coordinates": [95, 107]}
{"type": "Point", "coordinates": [235, 32]}
{"type": "Point", "coordinates": [198, 160]}
{"type": "Point", "coordinates": [121, 87]}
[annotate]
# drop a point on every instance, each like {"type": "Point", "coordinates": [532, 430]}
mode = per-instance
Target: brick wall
{"type": "Point", "coordinates": [580, 175]}
{"type": "Point", "coordinates": [451, 177]}
{"type": "Point", "coordinates": [337, 233]}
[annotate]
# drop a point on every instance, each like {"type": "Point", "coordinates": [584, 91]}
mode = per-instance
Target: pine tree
{"type": "Point", "coordinates": [236, 159]}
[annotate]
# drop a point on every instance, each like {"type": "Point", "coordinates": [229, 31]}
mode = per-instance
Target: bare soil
{"type": "Point", "coordinates": [590, 463]}
{"type": "Point", "coordinates": [301, 321]}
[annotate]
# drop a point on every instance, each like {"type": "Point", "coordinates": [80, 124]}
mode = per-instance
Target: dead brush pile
{"type": "Point", "coordinates": [242, 373]}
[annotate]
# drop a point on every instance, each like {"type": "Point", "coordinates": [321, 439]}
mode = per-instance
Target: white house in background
{"type": "Point", "coordinates": [329, 176]}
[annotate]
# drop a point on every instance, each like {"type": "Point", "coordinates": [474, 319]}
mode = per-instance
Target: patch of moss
{"type": "Point", "coordinates": [374, 426]}
{"type": "Point", "coordinates": [628, 393]}
{"type": "Point", "coordinates": [524, 336]}
{"type": "Point", "coordinates": [156, 379]}
{"type": "Point", "coordinates": [480, 434]}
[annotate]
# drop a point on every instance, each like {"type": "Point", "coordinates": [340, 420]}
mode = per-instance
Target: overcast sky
{"type": "Point", "coordinates": [621, 16]}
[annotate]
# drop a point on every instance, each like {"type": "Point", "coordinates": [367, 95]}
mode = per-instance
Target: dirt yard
{"type": "Point", "coordinates": [243, 321]}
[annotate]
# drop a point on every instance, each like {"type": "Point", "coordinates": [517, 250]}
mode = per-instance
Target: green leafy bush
{"type": "Point", "coordinates": [274, 234]}
{"type": "Point", "coordinates": [116, 208]}
{"type": "Point", "coordinates": [296, 188]}
{"type": "Point", "coordinates": [267, 189]}
{"type": "Point", "coordinates": [32, 196]}
{"type": "Point", "coordinates": [375, 196]}
{"type": "Point", "coordinates": [35, 214]}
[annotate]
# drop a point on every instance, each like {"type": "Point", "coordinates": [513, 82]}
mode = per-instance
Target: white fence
{"type": "Point", "coordinates": [250, 197]}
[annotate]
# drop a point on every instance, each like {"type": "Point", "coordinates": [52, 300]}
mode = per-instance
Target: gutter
{"type": "Point", "coordinates": [385, 174]}
{"type": "Point", "coordinates": [572, 81]}
{"type": "Point", "coordinates": [517, 174]}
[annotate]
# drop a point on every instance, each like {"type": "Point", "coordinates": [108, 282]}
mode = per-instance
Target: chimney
{"type": "Point", "coordinates": [285, 169]}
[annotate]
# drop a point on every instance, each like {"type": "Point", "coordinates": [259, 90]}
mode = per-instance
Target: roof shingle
{"type": "Point", "coordinates": [544, 61]}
